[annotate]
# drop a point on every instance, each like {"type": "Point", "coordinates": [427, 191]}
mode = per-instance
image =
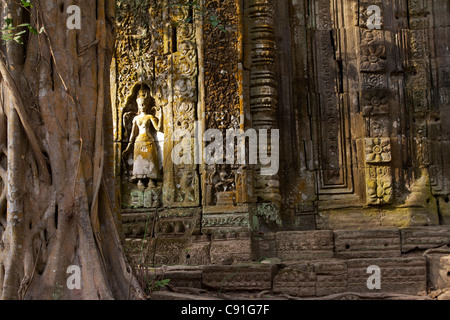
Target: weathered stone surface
{"type": "Point", "coordinates": [364, 138]}
{"type": "Point", "coordinates": [235, 250]}
{"type": "Point", "coordinates": [352, 244]}
{"type": "Point", "coordinates": [177, 222]}
{"type": "Point", "coordinates": [398, 275]}
{"type": "Point", "coordinates": [134, 224]}
{"type": "Point", "coordinates": [354, 126]}
{"type": "Point", "coordinates": [444, 203]}
{"type": "Point", "coordinates": [314, 278]}
{"type": "Point", "coordinates": [298, 280]}
{"type": "Point", "coordinates": [424, 237]}
{"type": "Point", "coordinates": [331, 277]}
{"type": "Point", "coordinates": [166, 295]}
{"type": "Point", "coordinates": [135, 250]}
{"type": "Point", "coordinates": [438, 267]}
{"type": "Point", "coordinates": [373, 218]}
{"type": "Point", "coordinates": [227, 221]}
{"type": "Point", "coordinates": [239, 277]}
{"type": "Point", "coordinates": [182, 276]}
{"type": "Point", "coordinates": [198, 251]}
{"type": "Point", "coordinates": [296, 245]}
{"type": "Point", "coordinates": [264, 246]}
{"type": "Point", "coordinates": [168, 251]}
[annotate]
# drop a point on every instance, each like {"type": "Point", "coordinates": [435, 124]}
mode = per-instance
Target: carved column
{"type": "Point", "coordinates": [374, 88]}
{"type": "Point", "coordinates": [419, 97]}
{"type": "Point", "coordinates": [263, 86]}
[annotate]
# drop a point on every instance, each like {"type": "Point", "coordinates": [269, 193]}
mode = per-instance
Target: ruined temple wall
{"type": "Point", "coordinates": [439, 134]}
{"type": "Point", "coordinates": [369, 113]}
{"type": "Point", "coordinates": [363, 117]}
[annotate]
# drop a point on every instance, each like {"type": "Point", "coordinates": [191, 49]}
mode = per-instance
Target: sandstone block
{"type": "Point", "coordinates": [424, 237]}
{"type": "Point", "coordinates": [331, 277]}
{"type": "Point", "coordinates": [352, 244]}
{"type": "Point", "coordinates": [298, 245]}
{"type": "Point", "coordinates": [298, 280]}
{"type": "Point", "coordinates": [233, 250]}
{"type": "Point", "coordinates": [239, 277]}
{"type": "Point", "coordinates": [398, 275]}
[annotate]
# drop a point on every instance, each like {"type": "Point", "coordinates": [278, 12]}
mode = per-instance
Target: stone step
{"type": "Point", "coordinates": [314, 278]}
{"type": "Point", "coordinates": [312, 263]}
{"type": "Point", "coordinates": [293, 245]}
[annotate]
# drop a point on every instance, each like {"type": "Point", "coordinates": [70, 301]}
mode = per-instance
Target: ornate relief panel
{"type": "Point", "coordinates": [374, 93]}
{"type": "Point", "coordinates": [156, 57]}
{"type": "Point", "coordinates": [332, 115]}
{"type": "Point", "coordinates": [222, 85]}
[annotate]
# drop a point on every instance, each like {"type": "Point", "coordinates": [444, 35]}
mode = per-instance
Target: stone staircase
{"type": "Point", "coordinates": [308, 264]}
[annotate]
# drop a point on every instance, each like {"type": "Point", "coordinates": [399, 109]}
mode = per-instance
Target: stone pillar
{"type": "Point", "coordinates": [264, 98]}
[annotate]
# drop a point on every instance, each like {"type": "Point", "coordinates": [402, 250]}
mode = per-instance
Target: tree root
{"type": "Point", "coordinates": [21, 111]}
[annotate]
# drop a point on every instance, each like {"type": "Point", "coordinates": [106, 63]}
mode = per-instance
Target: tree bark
{"type": "Point", "coordinates": [57, 174]}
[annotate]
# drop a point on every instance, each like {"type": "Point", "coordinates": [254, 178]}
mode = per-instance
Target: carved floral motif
{"type": "Point", "coordinates": [375, 102]}
{"type": "Point", "coordinates": [373, 58]}
{"type": "Point", "coordinates": [379, 185]}
{"type": "Point", "coordinates": [378, 150]}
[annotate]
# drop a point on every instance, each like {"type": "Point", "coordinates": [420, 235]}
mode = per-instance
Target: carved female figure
{"type": "Point", "coordinates": [146, 165]}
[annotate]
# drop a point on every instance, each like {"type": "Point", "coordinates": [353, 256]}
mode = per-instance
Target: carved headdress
{"type": "Point", "coordinates": [142, 94]}
{"type": "Point", "coordinates": [147, 97]}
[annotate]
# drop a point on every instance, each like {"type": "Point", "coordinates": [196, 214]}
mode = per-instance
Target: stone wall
{"type": "Point", "coordinates": [324, 263]}
{"type": "Point", "coordinates": [360, 99]}
{"type": "Point", "coordinates": [365, 113]}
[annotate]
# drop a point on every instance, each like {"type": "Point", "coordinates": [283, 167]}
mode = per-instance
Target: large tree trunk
{"type": "Point", "coordinates": [57, 205]}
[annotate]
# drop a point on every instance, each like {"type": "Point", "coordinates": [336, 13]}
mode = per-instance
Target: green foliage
{"type": "Point", "coordinates": [161, 284]}
{"type": "Point", "coordinates": [9, 32]}
{"type": "Point", "coordinates": [58, 291]}
{"type": "Point", "coordinates": [202, 13]}
{"type": "Point", "coordinates": [156, 284]}
{"type": "Point", "coordinates": [26, 4]}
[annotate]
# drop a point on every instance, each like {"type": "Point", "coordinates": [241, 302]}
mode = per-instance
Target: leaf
{"type": "Point", "coordinates": [18, 40]}
{"type": "Point", "coordinates": [33, 30]}
{"type": "Point", "coordinates": [26, 4]}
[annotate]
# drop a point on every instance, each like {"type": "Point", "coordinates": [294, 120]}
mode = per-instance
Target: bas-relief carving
{"type": "Point", "coordinates": [228, 185]}
{"type": "Point", "coordinates": [142, 164]}
{"type": "Point", "coordinates": [222, 104]}
{"type": "Point", "coordinates": [375, 107]}
{"type": "Point", "coordinates": [156, 48]}
{"type": "Point", "coordinates": [374, 99]}
{"type": "Point", "coordinates": [379, 185]}
{"type": "Point", "coordinates": [378, 150]}
{"type": "Point", "coordinates": [373, 58]}
{"type": "Point", "coordinates": [161, 57]}
{"type": "Point", "coordinates": [375, 102]}
{"type": "Point", "coordinates": [146, 164]}
{"type": "Point", "coordinates": [330, 116]}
